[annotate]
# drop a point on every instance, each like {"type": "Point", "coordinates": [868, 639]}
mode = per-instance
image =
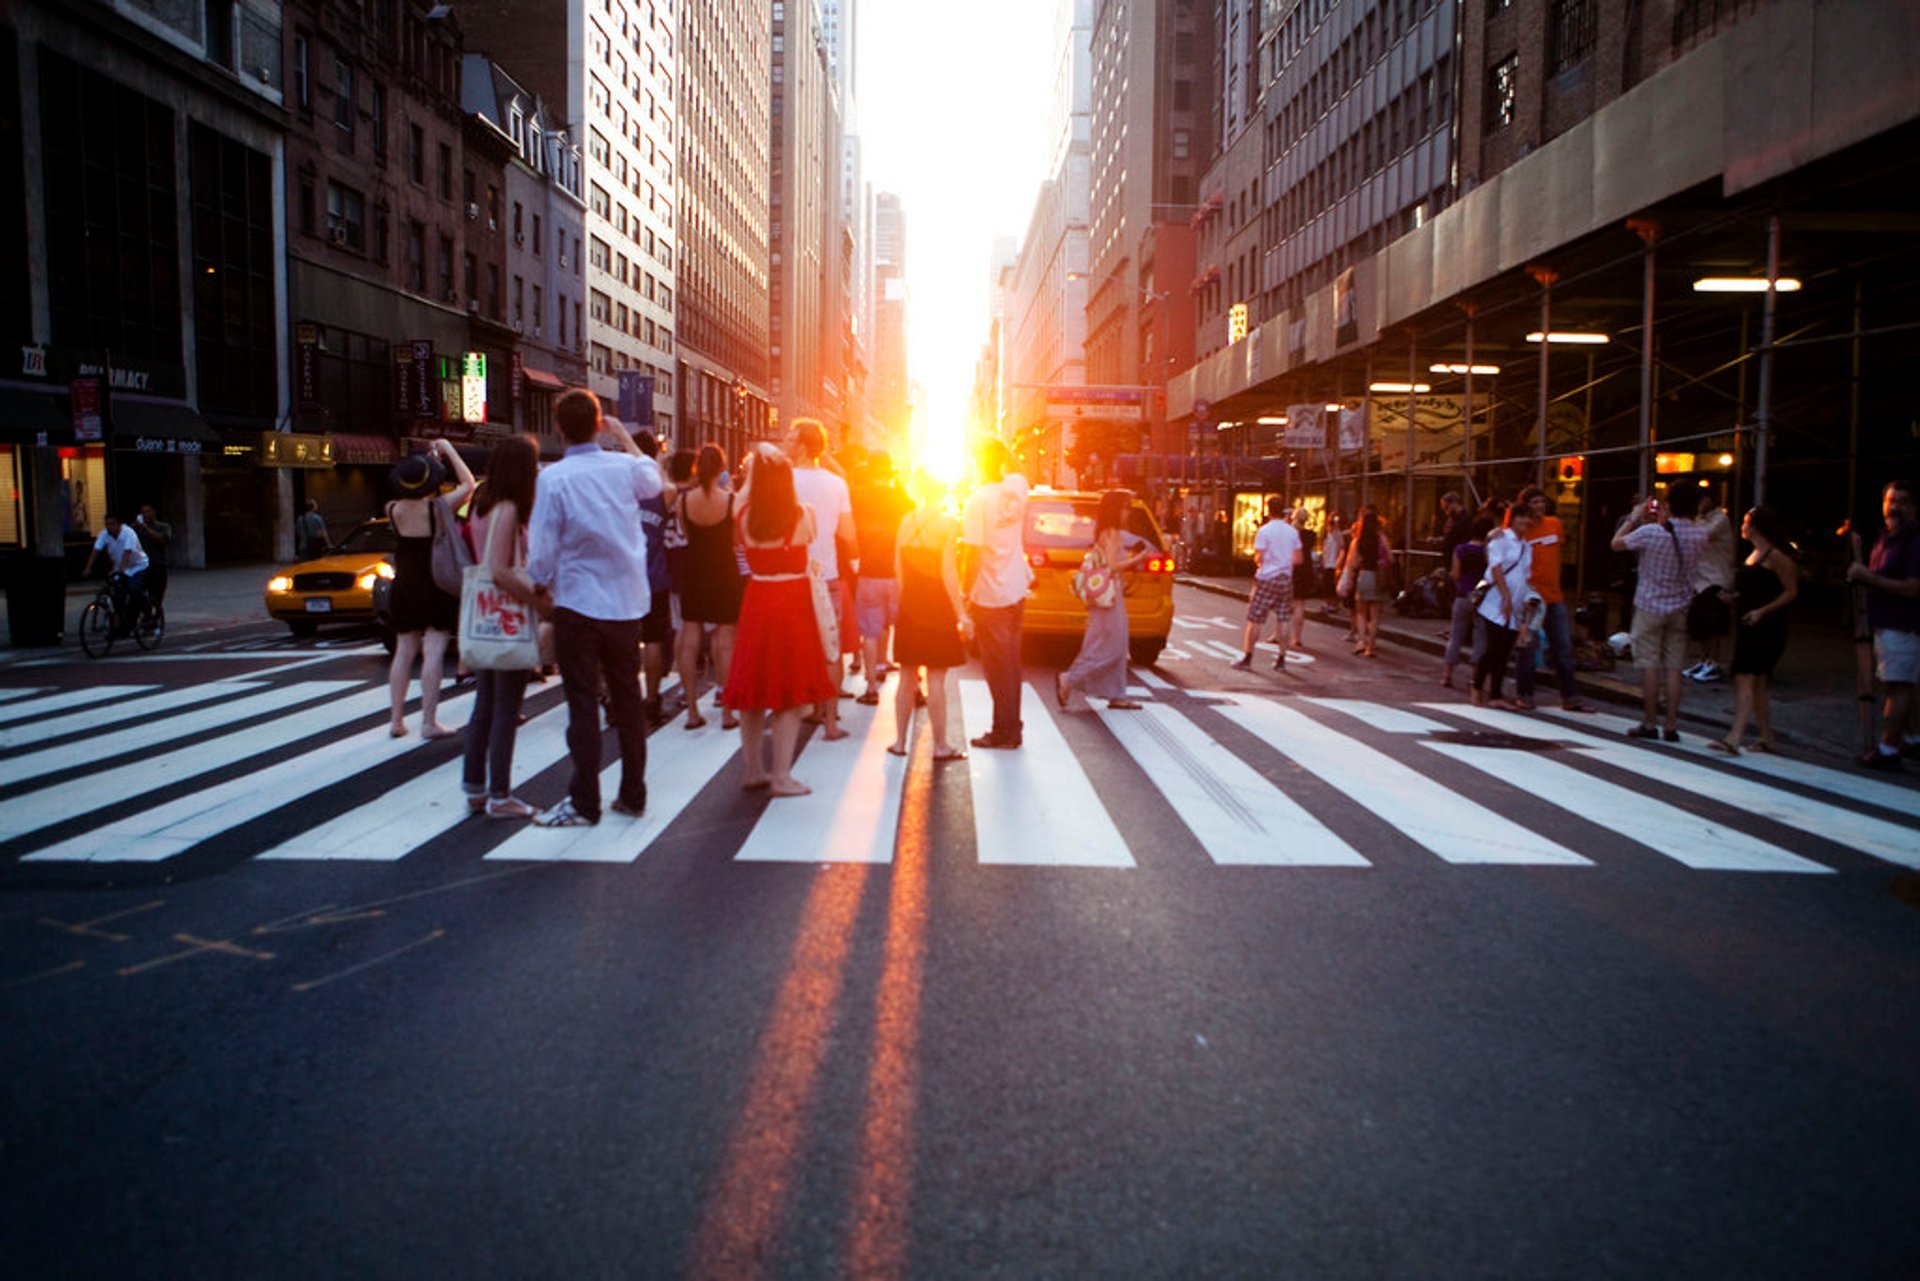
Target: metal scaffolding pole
{"type": "Point", "coordinates": [1544, 276]}
{"type": "Point", "coordinates": [1649, 233]}
{"type": "Point", "coordinates": [1466, 414]}
{"type": "Point", "coordinates": [1413, 344]}
{"type": "Point", "coordinates": [1763, 411]}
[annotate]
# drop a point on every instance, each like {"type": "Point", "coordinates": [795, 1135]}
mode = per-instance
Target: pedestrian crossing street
{"type": "Point", "coordinates": [303, 770]}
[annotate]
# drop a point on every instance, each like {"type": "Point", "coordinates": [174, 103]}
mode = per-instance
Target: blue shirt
{"type": "Point", "coordinates": [587, 541]}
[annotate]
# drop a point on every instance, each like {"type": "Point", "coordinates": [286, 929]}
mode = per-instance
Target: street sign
{"type": "Point", "coordinates": [1117, 404]}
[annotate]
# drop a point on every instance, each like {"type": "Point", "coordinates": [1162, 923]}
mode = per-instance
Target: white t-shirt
{"type": "Point", "coordinates": [117, 549]}
{"type": "Point", "coordinates": [1275, 545]}
{"type": "Point", "coordinates": [827, 494]}
{"type": "Point", "coordinates": [995, 526]}
{"type": "Point", "coordinates": [1506, 551]}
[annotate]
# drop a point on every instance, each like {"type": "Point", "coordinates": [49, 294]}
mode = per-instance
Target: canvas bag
{"type": "Point", "coordinates": [497, 632]}
{"type": "Point", "coordinates": [452, 555]}
{"type": "Point", "coordinates": [823, 614]}
{"type": "Point", "coordinates": [1093, 582]}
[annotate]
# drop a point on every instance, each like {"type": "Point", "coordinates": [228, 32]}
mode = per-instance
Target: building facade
{"type": "Point", "coordinates": [806, 246]}
{"type": "Point", "coordinates": [890, 394]}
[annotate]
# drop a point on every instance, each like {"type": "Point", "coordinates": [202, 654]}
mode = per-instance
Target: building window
{"type": "Point", "coordinates": [377, 102]}
{"type": "Point", "coordinates": [301, 58]}
{"type": "Point", "coordinates": [343, 101]}
{"type": "Point", "coordinates": [446, 172]}
{"type": "Point", "coordinates": [1570, 34]}
{"type": "Point", "coordinates": [470, 278]}
{"type": "Point", "coordinates": [536, 235]}
{"type": "Point", "coordinates": [346, 217]}
{"type": "Point", "coordinates": [1503, 82]}
{"type": "Point", "coordinates": [417, 154]}
{"type": "Point", "coordinates": [445, 273]}
{"type": "Point", "coordinates": [417, 256]}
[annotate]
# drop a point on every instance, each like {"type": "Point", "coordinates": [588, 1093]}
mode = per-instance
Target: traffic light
{"type": "Point", "coordinates": [1573, 469]}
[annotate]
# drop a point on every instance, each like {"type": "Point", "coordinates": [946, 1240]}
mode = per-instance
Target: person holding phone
{"type": "Point", "coordinates": [1666, 542]}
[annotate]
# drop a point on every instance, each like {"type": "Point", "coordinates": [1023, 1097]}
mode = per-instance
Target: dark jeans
{"type": "Point", "coordinates": [1490, 673]}
{"type": "Point", "coordinates": [1557, 630]}
{"type": "Point", "coordinates": [130, 598]}
{"type": "Point", "coordinates": [590, 651]}
{"type": "Point", "coordinates": [491, 727]}
{"type": "Point", "coordinates": [1463, 638]}
{"type": "Point", "coordinates": [997, 631]}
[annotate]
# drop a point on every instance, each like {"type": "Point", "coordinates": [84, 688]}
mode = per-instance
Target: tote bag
{"type": "Point", "coordinates": [497, 632]}
{"type": "Point", "coordinates": [823, 615]}
{"type": "Point", "coordinates": [1093, 582]}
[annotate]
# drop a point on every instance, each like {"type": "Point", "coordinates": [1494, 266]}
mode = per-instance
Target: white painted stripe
{"type": "Point", "coordinates": [1174, 654]}
{"type": "Point", "coordinates": [853, 814]}
{"type": "Point", "coordinates": [1147, 677]}
{"type": "Point", "coordinates": [1034, 805]}
{"type": "Point", "coordinates": [8, 695]}
{"type": "Point", "coordinates": [91, 792]}
{"type": "Point", "coordinates": [133, 709]}
{"type": "Point", "coordinates": [170, 729]}
{"type": "Point", "coordinates": [1855, 787]}
{"type": "Point", "coordinates": [674, 778]}
{"type": "Point", "coordinates": [1665, 829]}
{"type": "Point", "coordinates": [248, 655]}
{"type": "Point", "coordinates": [1453, 827]}
{"type": "Point", "coordinates": [178, 825]}
{"type": "Point", "coordinates": [1874, 836]}
{"type": "Point", "coordinates": [1394, 720]}
{"type": "Point", "coordinates": [407, 817]}
{"type": "Point", "coordinates": [68, 699]}
{"type": "Point", "coordinates": [1191, 624]}
{"type": "Point", "coordinates": [1219, 648]}
{"type": "Point", "coordinates": [1239, 817]}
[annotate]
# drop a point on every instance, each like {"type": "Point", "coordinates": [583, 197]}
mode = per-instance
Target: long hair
{"type": "Point", "coordinates": [1767, 523]}
{"type": "Point", "coordinates": [771, 506]}
{"type": "Point", "coordinates": [708, 466]}
{"type": "Point", "coordinates": [1367, 535]}
{"type": "Point", "coordinates": [511, 473]}
{"type": "Point", "coordinates": [1112, 514]}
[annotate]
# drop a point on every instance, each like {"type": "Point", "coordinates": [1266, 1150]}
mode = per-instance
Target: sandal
{"type": "Point", "coordinates": [1765, 745]}
{"type": "Point", "coordinates": [894, 749]}
{"type": "Point", "coordinates": [1522, 704]}
{"type": "Point", "coordinates": [869, 698]}
{"type": "Point", "coordinates": [695, 720]}
{"type": "Point", "coordinates": [1060, 692]}
{"type": "Point", "coordinates": [949, 754]}
{"type": "Point", "coordinates": [1122, 705]}
{"type": "Point", "coordinates": [1723, 746]}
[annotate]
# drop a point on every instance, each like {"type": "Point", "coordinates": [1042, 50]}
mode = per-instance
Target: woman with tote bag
{"type": "Point", "coordinates": [499, 527]}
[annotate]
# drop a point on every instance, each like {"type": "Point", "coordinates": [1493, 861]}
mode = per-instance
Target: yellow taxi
{"type": "Point", "coordinates": [337, 587]}
{"type": "Point", "coordinates": [1059, 532]}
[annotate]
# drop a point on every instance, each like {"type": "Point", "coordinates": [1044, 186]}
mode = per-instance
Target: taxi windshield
{"type": "Point", "coordinates": [1060, 522]}
{"type": "Point", "coordinates": [373, 536]}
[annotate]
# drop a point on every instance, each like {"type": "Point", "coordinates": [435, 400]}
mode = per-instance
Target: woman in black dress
{"type": "Point", "coordinates": [1764, 586]}
{"type": "Point", "coordinates": [932, 626]}
{"type": "Point", "coordinates": [711, 590]}
{"type": "Point", "coordinates": [423, 615]}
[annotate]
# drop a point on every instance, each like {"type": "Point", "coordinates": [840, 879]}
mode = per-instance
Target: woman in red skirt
{"type": "Point", "coordinates": [778, 665]}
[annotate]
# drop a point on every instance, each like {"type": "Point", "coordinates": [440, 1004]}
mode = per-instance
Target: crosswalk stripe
{"type": "Point", "coordinates": [1454, 828]}
{"type": "Point", "coordinates": [1220, 648]}
{"type": "Point", "coordinates": [1882, 839]}
{"type": "Point", "coordinates": [1238, 816]}
{"type": "Point", "coordinates": [674, 778]}
{"type": "Point", "coordinates": [1394, 720]}
{"type": "Point", "coordinates": [431, 804]}
{"type": "Point", "coordinates": [66, 700]}
{"type": "Point", "coordinates": [179, 825]}
{"type": "Point", "coordinates": [1871, 791]}
{"type": "Point", "coordinates": [169, 729]}
{"type": "Point", "coordinates": [853, 814]}
{"type": "Point", "coordinates": [1151, 680]}
{"type": "Point", "coordinates": [1035, 806]}
{"type": "Point", "coordinates": [1665, 829]}
{"type": "Point", "coordinates": [135, 708]}
{"type": "Point", "coordinates": [25, 691]}
{"type": "Point", "coordinates": [92, 792]}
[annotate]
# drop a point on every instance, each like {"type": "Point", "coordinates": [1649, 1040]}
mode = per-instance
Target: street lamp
{"type": "Point", "coordinates": [1155, 294]}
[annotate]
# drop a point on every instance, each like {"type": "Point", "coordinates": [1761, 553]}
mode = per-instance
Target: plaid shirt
{"type": "Point", "coordinates": [1667, 561]}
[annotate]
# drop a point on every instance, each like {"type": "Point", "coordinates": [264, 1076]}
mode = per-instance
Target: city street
{"type": "Point", "coordinates": [1304, 974]}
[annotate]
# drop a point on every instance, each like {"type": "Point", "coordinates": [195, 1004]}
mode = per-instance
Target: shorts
{"type": "Point", "coordinates": [656, 626]}
{"type": "Point", "coordinates": [1660, 640]}
{"type": "Point", "coordinates": [1896, 656]}
{"type": "Point", "coordinates": [1271, 596]}
{"type": "Point", "coordinates": [876, 605]}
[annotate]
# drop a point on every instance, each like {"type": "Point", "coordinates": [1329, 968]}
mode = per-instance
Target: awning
{"type": "Point", "coordinates": [26, 413]}
{"type": "Point", "coordinates": [541, 378]}
{"type": "Point", "coordinates": [355, 448]}
{"type": "Point", "coordinates": [161, 427]}
{"type": "Point", "coordinates": [1190, 467]}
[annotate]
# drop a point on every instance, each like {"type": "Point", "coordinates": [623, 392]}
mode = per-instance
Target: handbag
{"type": "Point", "coordinates": [824, 618]}
{"type": "Point", "coordinates": [497, 632]}
{"type": "Point", "coordinates": [452, 554]}
{"type": "Point", "coordinates": [1093, 582]}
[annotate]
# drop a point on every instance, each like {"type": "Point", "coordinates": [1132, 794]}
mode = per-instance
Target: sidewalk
{"type": "Point", "coordinates": [1814, 707]}
{"type": "Point", "coordinates": [198, 601]}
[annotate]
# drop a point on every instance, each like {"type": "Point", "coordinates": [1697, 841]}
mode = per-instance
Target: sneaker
{"type": "Point", "coordinates": [1643, 731]}
{"type": "Point", "coordinates": [1691, 673]}
{"type": "Point", "coordinates": [1280, 663]}
{"type": "Point", "coordinates": [563, 815]}
{"type": "Point", "coordinates": [1880, 762]}
{"type": "Point", "coordinates": [1706, 673]}
{"type": "Point", "coordinates": [1242, 664]}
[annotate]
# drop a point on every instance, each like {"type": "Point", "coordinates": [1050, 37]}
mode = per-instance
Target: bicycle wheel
{"type": "Point", "coordinates": [150, 627]}
{"type": "Point", "coordinates": [96, 630]}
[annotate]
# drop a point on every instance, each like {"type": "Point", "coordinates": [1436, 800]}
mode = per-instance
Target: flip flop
{"type": "Point", "coordinates": [1122, 705]}
{"type": "Point", "coordinates": [946, 754]}
{"type": "Point", "coordinates": [1060, 694]}
{"type": "Point", "coordinates": [897, 751]}
{"type": "Point", "coordinates": [1723, 746]}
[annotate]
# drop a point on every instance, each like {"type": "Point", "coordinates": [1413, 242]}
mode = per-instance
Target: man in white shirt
{"type": "Point", "coordinates": [124, 555]}
{"type": "Point", "coordinates": [833, 535]}
{"type": "Point", "coordinates": [1276, 550]}
{"type": "Point", "coordinates": [587, 556]}
{"type": "Point", "coordinates": [994, 570]}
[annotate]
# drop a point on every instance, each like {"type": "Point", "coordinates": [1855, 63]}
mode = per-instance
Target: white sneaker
{"type": "Point", "coordinates": [563, 815]}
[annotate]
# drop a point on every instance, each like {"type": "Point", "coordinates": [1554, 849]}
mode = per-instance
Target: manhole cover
{"type": "Point", "coordinates": [1491, 738]}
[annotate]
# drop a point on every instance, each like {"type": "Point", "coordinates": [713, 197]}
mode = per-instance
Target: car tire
{"type": "Point", "coordinates": [387, 639]}
{"type": "Point", "coordinates": [1144, 651]}
{"type": "Point", "coordinates": [303, 628]}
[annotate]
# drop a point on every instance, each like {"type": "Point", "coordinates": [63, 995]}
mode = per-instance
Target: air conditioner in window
{"type": "Point", "coordinates": [336, 235]}
{"type": "Point", "coordinates": [473, 211]}
{"type": "Point", "coordinates": [473, 306]}
{"type": "Point", "coordinates": [536, 331]}
{"type": "Point", "coordinates": [452, 296]}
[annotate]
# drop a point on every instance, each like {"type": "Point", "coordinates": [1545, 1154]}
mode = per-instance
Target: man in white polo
{"type": "Point", "coordinates": [995, 573]}
{"type": "Point", "coordinates": [1276, 550]}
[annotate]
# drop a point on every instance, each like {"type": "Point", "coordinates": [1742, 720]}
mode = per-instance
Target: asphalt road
{"type": "Point", "coordinates": [1300, 975]}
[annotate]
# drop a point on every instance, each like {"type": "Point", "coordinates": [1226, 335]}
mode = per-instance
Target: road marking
{"type": "Point", "coordinates": [1219, 649]}
{"type": "Point", "coordinates": [1453, 827]}
{"type": "Point", "coordinates": [1034, 806]}
{"type": "Point", "coordinates": [853, 813]}
{"type": "Point", "coordinates": [26, 709]}
{"type": "Point", "coordinates": [368, 964]}
{"type": "Point", "coordinates": [1152, 680]}
{"type": "Point", "coordinates": [1665, 829]}
{"type": "Point", "coordinates": [87, 929]}
{"type": "Point", "coordinates": [1239, 817]}
{"type": "Point", "coordinates": [91, 792]}
{"type": "Point", "coordinates": [1394, 720]}
{"type": "Point", "coordinates": [132, 709]}
{"type": "Point", "coordinates": [195, 947]}
{"type": "Point", "coordinates": [674, 778]}
{"type": "Point", "coordinates": [1875, 836]}
{"type": "Point", "coordinates": [1174, 654]}
{"type": "Point", "coordinates": [8, 695]}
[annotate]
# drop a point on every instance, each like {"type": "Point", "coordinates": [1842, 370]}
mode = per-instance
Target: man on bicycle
{"type": "Point", "coordinates": [126, 569]}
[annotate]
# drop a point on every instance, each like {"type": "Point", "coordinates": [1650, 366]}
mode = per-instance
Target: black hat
{"type": "Point", "coordinates": [416, 476]}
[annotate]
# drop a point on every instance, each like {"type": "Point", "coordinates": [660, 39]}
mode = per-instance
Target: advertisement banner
{"type": "Point", "coordinates": [86, 397]}
{"type": "Point", "coordinates": [425, 403]}
{"type": "Point", "coordinates": [306, 365]}
{"type": "Point", "coordinates": [403, 397]}
{"type": "Point", "coordinates": [636, 399]}
{"type": "Point", "coordinates": [1306, 427]}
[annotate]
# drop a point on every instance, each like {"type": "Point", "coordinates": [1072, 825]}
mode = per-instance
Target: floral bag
{"type": "Point", "coordinates": [1094, 582]}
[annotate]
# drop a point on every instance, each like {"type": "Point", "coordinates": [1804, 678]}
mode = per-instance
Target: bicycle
{"type": "Point", "coordinates": [105, 620]}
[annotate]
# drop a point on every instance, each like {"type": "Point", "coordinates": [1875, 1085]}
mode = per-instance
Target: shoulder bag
{"type": "Point", "coordinates": [452, 555]}
{"type": "Point", "coordinates": [1094, 582]}
{"type": "Point", "coordinates": [497, 632]}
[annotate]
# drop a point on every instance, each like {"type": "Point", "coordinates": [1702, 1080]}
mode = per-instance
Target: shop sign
{"type": "Point", "coordinates": [473, 387]}
{"type": "Point", "coordinates": [86, 396]}
{"type": "Point", "coordinates": [295, 449]}
{"type": "Point", "coordinates": [516, 378]}
{"type": "Point", "coordinates": [1236, 323]}
{"type": "Point", "coordinates": [401, 355]}
{"type": "Point", "coordinates": [424, 404]}
{"type": "Point", "coordinates": [33, 361]}
{"type": "Point", "coordinates": [307, 364]}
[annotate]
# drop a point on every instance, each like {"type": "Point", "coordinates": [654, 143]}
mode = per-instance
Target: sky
{"type": "Point", "coordinates": [953, 108]}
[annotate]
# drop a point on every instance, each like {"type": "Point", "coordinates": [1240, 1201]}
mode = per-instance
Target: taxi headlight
{"type": "Point", "coordinates": [280, 583]}
{"type": "Point", "coordinates": [383, 570]}
{"type": "Point", "coordinates": [366, 581]}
